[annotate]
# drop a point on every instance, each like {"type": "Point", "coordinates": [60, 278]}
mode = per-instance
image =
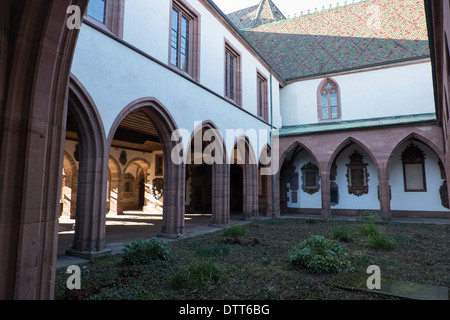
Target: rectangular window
{"type": "Point", "coordinates": [262, 97]}
{"type": "Point", "coordinates": [184, 38]}
{"type": "Point", "coordinates": [232, 74]}
{"type": "Point", "coordinates": [97, 10]}
{"type": "Point", "coordinates": [107, 14]}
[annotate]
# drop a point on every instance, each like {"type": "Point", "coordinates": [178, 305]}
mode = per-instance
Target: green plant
{"type": "Point", "coordinates": [344, 234]}
{"type": "Point", "coordinates": [368, 229]}
{"type": "Point", "coordinates": [146, 251]}
{"type": "Point", "coordinates": [321, 255]}
{"type": "Point", "coordinates": [380, 241]}
{"type": "Point", "coordinates": [197, 273]}
{"type": "Point", "coordinates": [234, 231]}
{"type": "Point", "coordinates": [217, 251]}
{"type": "Point", "coordinates": [368, 217]}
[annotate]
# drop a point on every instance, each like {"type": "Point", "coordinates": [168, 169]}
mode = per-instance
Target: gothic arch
{"type": "Point", "coordinates": [243, 155]}
{"type": "Point", "coordinates": [174, 173]}
{"type": "Point", "coordinates": [90, 224]}
{"type": "Point", "coordinates": [220, 171]}
{"type": "Point", "coordinates": [344, 145]}
{"type": "Point", "coordinates": [420, 138]}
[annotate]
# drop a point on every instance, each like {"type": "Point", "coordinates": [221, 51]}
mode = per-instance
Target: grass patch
{"type": "Point", "coordinates": [368, 229]}
{"type": "Point", "coordinates": [343, 233]}
{"type": "Point", "coordinates": [217, 251]}
{"type": "Point", "coordinates": [234, 231]}
{"type": "Point", "coordinates": [380, 241]}
{"type": "Point", "coordinates": [197, 273]}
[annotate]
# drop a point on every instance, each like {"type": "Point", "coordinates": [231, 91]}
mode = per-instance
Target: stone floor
{"type": "Point", "coordinates": [132, 225]}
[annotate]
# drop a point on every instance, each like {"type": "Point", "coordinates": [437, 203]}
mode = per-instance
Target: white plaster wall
{"type": "Point", "coordinates": [349, 201]}
{"type": "Point", "coordinates": [146, 26]}
{"type": "Point", "coordinates": [305, 200]}
{"type": "Point", "coordinates": [416, 201]}
{"type": "Point", "coordinates": [115, 75]}
{"type": "Point", "coordinates": [386, 92]}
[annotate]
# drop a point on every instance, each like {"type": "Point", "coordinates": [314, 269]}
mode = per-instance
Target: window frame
{"type": "Point", "coordinates": [320, 90]}
{"type": "Point", "coordinates": [113, 17]}
{"type": "Point", "coordinates": [193, 17]}
{"type": "Point", "coordinates": [262, 96]}
{"type": "Point", "coordinates": [234, 95]}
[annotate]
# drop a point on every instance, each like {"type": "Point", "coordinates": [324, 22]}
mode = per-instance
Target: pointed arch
{"type": "Point", "coordinates": [220, 173]}
{"type": "Point", "coordinates": [174, 173]}
{"type": "Point", "coordinates": [243, 156]}
{"type": "Point", "coordinates": [420, 138]}
{"type": "Point", "coordinates": [347, 143]}
{"type": "Point", "coordinates": [90, 224]}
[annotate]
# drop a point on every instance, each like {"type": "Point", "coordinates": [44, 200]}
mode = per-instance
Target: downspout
{"type": "Point", "coordinates": [271, 132]}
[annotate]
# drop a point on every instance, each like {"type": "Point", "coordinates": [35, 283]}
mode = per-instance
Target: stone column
{"type": "Point", "coordinates": [326, 196]}
{"type": "Point", "coordinates": [36, 50]}
{"type": "Point", "coordinates": [173, 204]}
{"type": "Point", "coordinates": [220, 195]}
{"type": "Point", "coordinates": [384, 194]}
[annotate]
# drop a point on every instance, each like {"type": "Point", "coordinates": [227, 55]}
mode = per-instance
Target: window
{"type": "Point", "coordinates": [184, 30]}
{"type": "Point", "coordinates": [357, 175]}
{"type": "Point", "coordinates": [262, 98]}
{"type": "Point", "coordinates": [329, 107]}
{"type": "Point", "coordinates": [310, 178]}
{"type": "Point", "coordinates": [413, 161]}
{"type": "Point", "coordinates": [232, 74]}
{"type": "Point", "coordinates": [107, 14]}
{"type": "Point", "coordinates": [97, 10]}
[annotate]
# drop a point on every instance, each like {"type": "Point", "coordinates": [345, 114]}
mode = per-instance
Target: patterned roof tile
{"type": "Point", "coordinates": [359, 35]}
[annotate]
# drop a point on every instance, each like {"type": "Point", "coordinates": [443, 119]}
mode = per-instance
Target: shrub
{"type": "Point", "coordinates": [342, 234]}
{"type": "Point", "coordinates": [146, 251]}
{"type": "Point", "coordinates": [320, 255]}
{"type": "Point", "coordinates": [234, 231]}
{"type": "Point", "coordinates": [380, 241]}
{"type": "Point", "coordinates": [368, 229]}
{"type": "Point", "coordinates": [368, 217]}
{"type": "Point", "coordinates": [196, 274]}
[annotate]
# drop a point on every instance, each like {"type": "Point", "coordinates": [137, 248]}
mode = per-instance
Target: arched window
{"type": "Point", "coordinates": [329, 105]}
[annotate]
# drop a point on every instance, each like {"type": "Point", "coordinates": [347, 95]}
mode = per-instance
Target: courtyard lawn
{"type": "Point", "coordinates": [251, 263]}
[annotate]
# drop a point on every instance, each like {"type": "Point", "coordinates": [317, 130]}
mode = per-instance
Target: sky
{"type": "Point", "coordinates": [287, 7]}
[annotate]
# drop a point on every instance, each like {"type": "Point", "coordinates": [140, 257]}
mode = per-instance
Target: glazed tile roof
{"type": "Point", "coordinates": [356, 124]}
{"type": "Point", "coordinates": [349, 37]}
{"type": "Point", "coordinates": [264, 12]}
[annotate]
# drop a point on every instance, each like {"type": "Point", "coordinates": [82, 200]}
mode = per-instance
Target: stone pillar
{"type": "Point", "coordinates": [326, 196]}
{"type": "Point", "coordinates": [250, 205]}
{"type": "Point", "coordinates": [36, 50]}
{"type": "Point", "coordinates": [220, 195]}
{"type": "Point", "coordinates": [384, 195]}
{"type": "Point", "coordinates": [173, 204]}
